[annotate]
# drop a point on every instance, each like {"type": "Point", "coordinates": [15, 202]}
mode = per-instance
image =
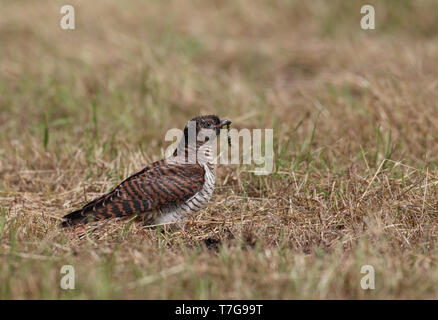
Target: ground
{"type": "Point", "coordinates": [355, 139]}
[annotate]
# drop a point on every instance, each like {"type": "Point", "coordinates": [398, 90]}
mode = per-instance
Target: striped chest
{"type": "Point", "coordinates": [176, 212]}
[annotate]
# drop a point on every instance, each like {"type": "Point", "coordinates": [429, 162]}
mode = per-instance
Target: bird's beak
{"type": "Point", "coordinates": [224, 123]}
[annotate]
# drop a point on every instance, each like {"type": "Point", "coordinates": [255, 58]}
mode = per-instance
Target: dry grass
{"type": "Point", "coordinates": [355, 134]}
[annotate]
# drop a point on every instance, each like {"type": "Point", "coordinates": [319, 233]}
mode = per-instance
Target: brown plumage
{"type": "Point", "coordinates": [167, 188]}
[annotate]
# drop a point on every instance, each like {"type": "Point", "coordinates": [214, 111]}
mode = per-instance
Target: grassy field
{"type": "Point", "coordinates": [354, 115]}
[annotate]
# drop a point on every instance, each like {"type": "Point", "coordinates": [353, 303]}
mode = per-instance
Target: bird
{"type": "Point", "coordinates": [165, 191]}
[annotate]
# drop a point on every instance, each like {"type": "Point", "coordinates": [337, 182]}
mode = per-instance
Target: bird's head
{"type": "Point", "coordinates": [211, 122]}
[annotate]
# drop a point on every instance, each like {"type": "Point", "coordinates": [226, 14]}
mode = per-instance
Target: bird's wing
{"type": "Point", "coordinates": [156, 185]}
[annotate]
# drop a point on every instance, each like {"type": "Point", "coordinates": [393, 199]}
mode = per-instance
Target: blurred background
{"type": "Point", "coordinates": [139, 68]}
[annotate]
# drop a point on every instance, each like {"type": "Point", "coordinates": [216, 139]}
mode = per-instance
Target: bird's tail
{"type": "Point", "coordinates": [73, 218]}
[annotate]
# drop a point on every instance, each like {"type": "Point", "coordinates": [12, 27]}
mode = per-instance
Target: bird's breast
{"type": "Point", "coordinates": [199, 200]}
